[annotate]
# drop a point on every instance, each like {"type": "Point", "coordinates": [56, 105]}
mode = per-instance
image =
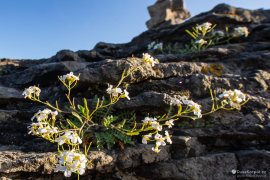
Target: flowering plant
{"type": "Point", "coordinates": [199, 34]}
{"type": "Point", "coordinates": [205, 35]}
{"type": "Point", "coordinates": [155, 47]}
{"type": "Point", "coordinates": [78, 126]}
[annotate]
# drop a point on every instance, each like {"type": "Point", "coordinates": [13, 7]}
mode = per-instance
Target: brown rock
{"type": "Point", "coordinates": [166, 12]}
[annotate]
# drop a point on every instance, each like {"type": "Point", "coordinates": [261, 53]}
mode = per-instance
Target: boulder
{"type": "Point", "coordinates": [165, 12]}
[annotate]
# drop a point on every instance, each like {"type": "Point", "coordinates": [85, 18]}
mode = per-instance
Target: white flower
{"type": "Point", "coordinates": [240, 31]}
{"type": "Point", "coordinates": [70, 77]}
{"type": "Point", "coordinates": [146, 138]}
{"type": "Point", "coordinates": [69, 137]}
{"type": "Point", "coordinates": [235, 97]}
{"type": "Point", "coordinates": [44, 115]}
{"type": "Point", "coordinates": [71, 162]}
{"type": "Point", "coordinates": [201, 42]}
{"type": "Point", "coordinates": [168, 137]}
{"type": "Point", "coordinates": [160, 141]}
{"type": "Point", "coordinates": [204, 27]}
{"type": "Point", "coordinates": [148, 59]}
{"type": "Point", "coordinates": [114, 92]}
{"type": "Point", "coordinates": [31, 92]}
{"type": "Point", "coordinates": [153, 122]}
{"type": "Point", "coordinates": [149, 120]}
{"type": "Point", "coordinates": [169, 123]}
{"type": "Point", "coordinates": [126, 94]}
{"type": "Point", "coordinates": [196, 108]}
{"type": "Point", "coordinates": [175, 102]}
{"type": "Point", "coordinates": [156, 125]}
{"type": "Point", "coordinates": [42, 129]}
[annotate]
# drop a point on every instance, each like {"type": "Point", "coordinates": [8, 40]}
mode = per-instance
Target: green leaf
{"type": "Point", "coordinates": [109, 138]}
{"type": "Point", "coordinates": [81, 108]}
{"type": "Point", "coordinates": [132, 133]}
{"type": "Point", "coordinates": [71, 124]}
{"type": "Point", "coordinates": [108, 120]}
{"type": "Point", "coordinates": [77, 116]}
{"type": "Point", "coordinates": [134, 127]}
{"type": "Point", "coordinates": [105, 138]}
{"type": "Point", "coordinates": [122, 137]}
{"type": "Point", "coordinates": [191, 34]}
{"type": "Point", "coordinates": [63, 126]}
{"type": "Point", "coordinates": [122, 124]}
{"type": "Point", "coordinates": [179, 109]}
{"type": "Point", "coordinates": [86, 107]}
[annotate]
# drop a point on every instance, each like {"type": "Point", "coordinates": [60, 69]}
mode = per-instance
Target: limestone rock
{"type": "Point", "coordinates": [167, 12]}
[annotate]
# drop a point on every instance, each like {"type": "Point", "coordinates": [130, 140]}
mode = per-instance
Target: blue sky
{"type": "Point", "coordinates": [33, 29]}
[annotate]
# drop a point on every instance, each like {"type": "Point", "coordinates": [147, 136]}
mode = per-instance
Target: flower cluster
{"type": "Point", "coordinates": [240, 31]}
{"type": "Point", "coordinates": [169, 123]}
{"type": "Point", "coordinates": [42, 129]}
{"type": "Point", "coordinates": [71, 162]}
{"type": "Point", "coordinates": [31, 92]}
{"type": "Point", "coordinates": [204, 36]}
{"type": "Point", "coordinates": [70, 78]}
{"type": "Point", "coordinates": [117, 92]}
{"type": "Point", "coordinates": [199, 34]}
{"type": "Point", "coordinates": [44, 115]}
{"type": "Point", "coordinates": [233, 97]}
{"type": "Point", "coordinates": [204, 27]}
{"type": "Point", "coordinates": [153, 123]}
{"type": "Point", "coordinates": [159, 139]}
{"type": "Point", "coordinates": [155, 46]}
{"type": "Point", "coordinates": [193, 107]}
{"type": "Point", "coordinates": [69, 137]}
{"type": "Point", "coordinates": [148, 59]}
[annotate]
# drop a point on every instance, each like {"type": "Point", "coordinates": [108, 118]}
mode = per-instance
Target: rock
{"type": "Point", "coordinates": [66, 55]}
{"type": "Point", "coordinates": [186, 146]}
{"type": "Point", "coordinates": [11, 162]}
{"type": "Point", "coordinates": [14, 163]}
{"type": "Point", "coordinates": [165, 12]}
{"type": "Point", "coordinates": [10, 93]}
{"type": "Point", "coordinates": [256, 161]}
{"type": "Point", "coordinates": [217, 166]}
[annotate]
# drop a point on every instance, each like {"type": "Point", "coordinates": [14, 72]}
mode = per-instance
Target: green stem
{"type": "Point", "coordinates": [51, 106]}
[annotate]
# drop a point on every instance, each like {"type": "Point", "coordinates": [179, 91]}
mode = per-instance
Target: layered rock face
{"type": "Point", "coordinates": [209, 148]}
{"type": "Point", "coordinates": [167, 12]}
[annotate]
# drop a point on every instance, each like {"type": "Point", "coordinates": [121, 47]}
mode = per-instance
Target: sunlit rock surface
{"type": "Point", "coordinates": [167, 12]}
